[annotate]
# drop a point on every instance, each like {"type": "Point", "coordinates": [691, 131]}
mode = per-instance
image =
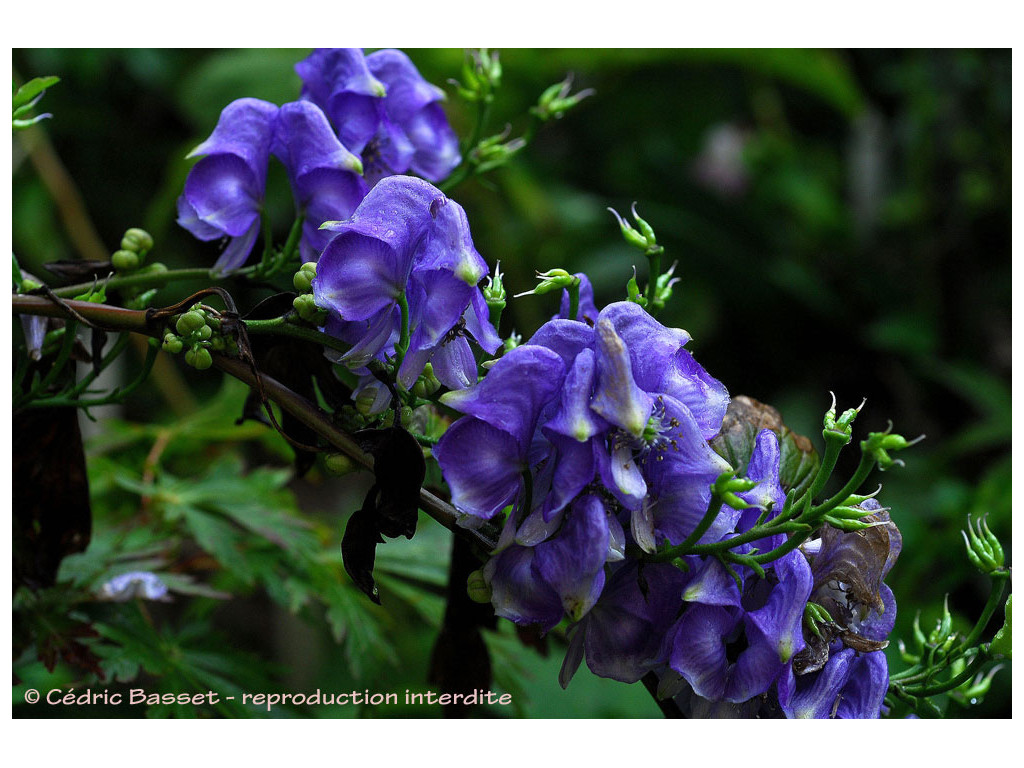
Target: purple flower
{"type": "Point", "coordinates": [621, 636]}
{"type": "Point", "coordinates": [324, 175]}
{"type": "Point", "coordinates": [383, 109]}
{"type": "Point", "coordinates": [141, 584]}
{"type": "Point", "coordinates": [850, 685]}
{"type": "Point", "coordinates": [407, 238]}
{"type": "Point", "coordinates": [224, 191]}
{"type": "Point", "coordinates": [735, 652]}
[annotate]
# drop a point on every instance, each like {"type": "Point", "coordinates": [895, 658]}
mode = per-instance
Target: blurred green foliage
{"type": "Point", "coordinates": [841, 221]}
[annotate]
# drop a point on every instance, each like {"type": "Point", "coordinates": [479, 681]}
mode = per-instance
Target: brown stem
{"type": "Point", "coordinates": [118, 319]}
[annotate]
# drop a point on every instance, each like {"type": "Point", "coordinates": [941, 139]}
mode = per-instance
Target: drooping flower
{"type": "Point", "coordinates": [224, 191]}
{"type": "Point", "coordinates": [406, 240]}
{"type": "Point", "coordinates": [382, 109]}
{"type": "Point", "coordinates": [325, 176]}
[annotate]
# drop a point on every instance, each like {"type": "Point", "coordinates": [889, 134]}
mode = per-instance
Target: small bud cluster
{"type": "Point", "coordinates": [198, 335]}
{"type": "Point", "coordinates": [481, 76]}
{"type": "Point", "coordinates": [555, 101]}
{"type": "Point", "coordinates": [135, 244]}
{"type": "Point", "coordinates": [304, 304]}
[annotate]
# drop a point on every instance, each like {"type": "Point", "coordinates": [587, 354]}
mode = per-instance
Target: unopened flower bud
{"type": "Point", "coordinates": [338, 464]}
{"type": "Point", "coordinates": [125, 261]}
{"type": "Point", "coordinates": [303, 279]}
{"type": "Point", "coordinates": [201, 358]}
{"type": "Point", "coordinates": [172, 344]}
{"type": "Point", "coordinates": [137, 240]}
{"type": "Point", "coordinates": [205, 333]}
{"type": "Point", "coordinates": [365, 400]}
{"type": "Point", "coordinates": [190, 322]}
{"type": "Point", "coordinates": [552, 280]}
{"type": "Point", "coordinates": [477, 587]}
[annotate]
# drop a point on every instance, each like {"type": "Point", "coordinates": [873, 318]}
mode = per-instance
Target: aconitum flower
{"type": "Point", "coordinates": [406, 241]}
{"type": "Point", "coordinates": [382, 109]}
{"type": "Point", "coordinates": [224, 191]}
{"type": "Point", "coordinates": [325, 177]}
{"type": "Point", "coordinates": [563, 436]}
{"type": "Point", "coordinates": [142, 584]}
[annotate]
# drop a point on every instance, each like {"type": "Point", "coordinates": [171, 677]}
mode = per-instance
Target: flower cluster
{"type": "Point", "coordinates": [405, 259]}
{"type": "Point", "coordinates": [381, 109]}
{"type": "Point", "coordinates": [592, 441]}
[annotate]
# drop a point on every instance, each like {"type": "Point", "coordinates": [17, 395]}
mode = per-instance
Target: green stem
{"type": "Point", "coordinates": [828, 464]}
{"type": "Point", "coordinates": [67, 345]}
{"type": "Point", "coordinates": [468, 165]}
{"type": "Point", "coordinates": [116, 396]}
{"type": "Point", "coordinates": [403, 338]}
{"type": "Point", "coordinates": [867, 463]}
{"type": "Point", "coordinates": [574, 298]}
{"type": "Point", "coordinates": [89, 378]}
{"type": "Point", "coordinates": [279, 326]}
{"type": "Point", "coordinates": [653, 272]}
{"type": "Point", "coordinates": [293, 239]}
{"type": "Point", "coordinates": [995, 598]}
{"type": "Point", "coordinates": [144, 280]}
{"type": "Point", "coordinates": [714, 507]}
{"type": "Point", "coordinates": [955, 682]}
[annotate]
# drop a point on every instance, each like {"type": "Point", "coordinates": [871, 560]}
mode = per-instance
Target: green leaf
{"type": "Point", "coordinates": [31, 89]}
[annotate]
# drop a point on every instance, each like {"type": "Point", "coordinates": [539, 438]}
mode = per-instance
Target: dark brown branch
{"type": "Point", "coordinates": [119, 319]}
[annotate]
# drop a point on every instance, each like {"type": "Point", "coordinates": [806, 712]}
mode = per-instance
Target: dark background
{"type": "Point", "coordinates": [841, 221]}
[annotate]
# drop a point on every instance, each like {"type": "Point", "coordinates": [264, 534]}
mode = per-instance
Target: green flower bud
{"type": "Point", "coordinates": [552, 280]}
{"type": "Point", "coordinates": [202, 359]}
{"type": "Point", "coordinates": [338, 464]}
{"type": "Point", "coordinates": [137, 240]}
{"type": "Point", "coordinates": [172, 344]}
{"type": "Point", "coordinates": [364, 401]}
{"type": "Point", "coordinates": [555, 101]}
{"type": "Point", "coordinates": [302, 281]}
{"type": "Point", "coordinates": [477, 588]}
{"type": "Point", "coordinates": [644, 238]}
{"type": "Point", "coordinates": [205, 333]}
{"type": "Point", "coordinates": [190, 322]}
{"type": "Point", "coordinates": [125, 261]}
